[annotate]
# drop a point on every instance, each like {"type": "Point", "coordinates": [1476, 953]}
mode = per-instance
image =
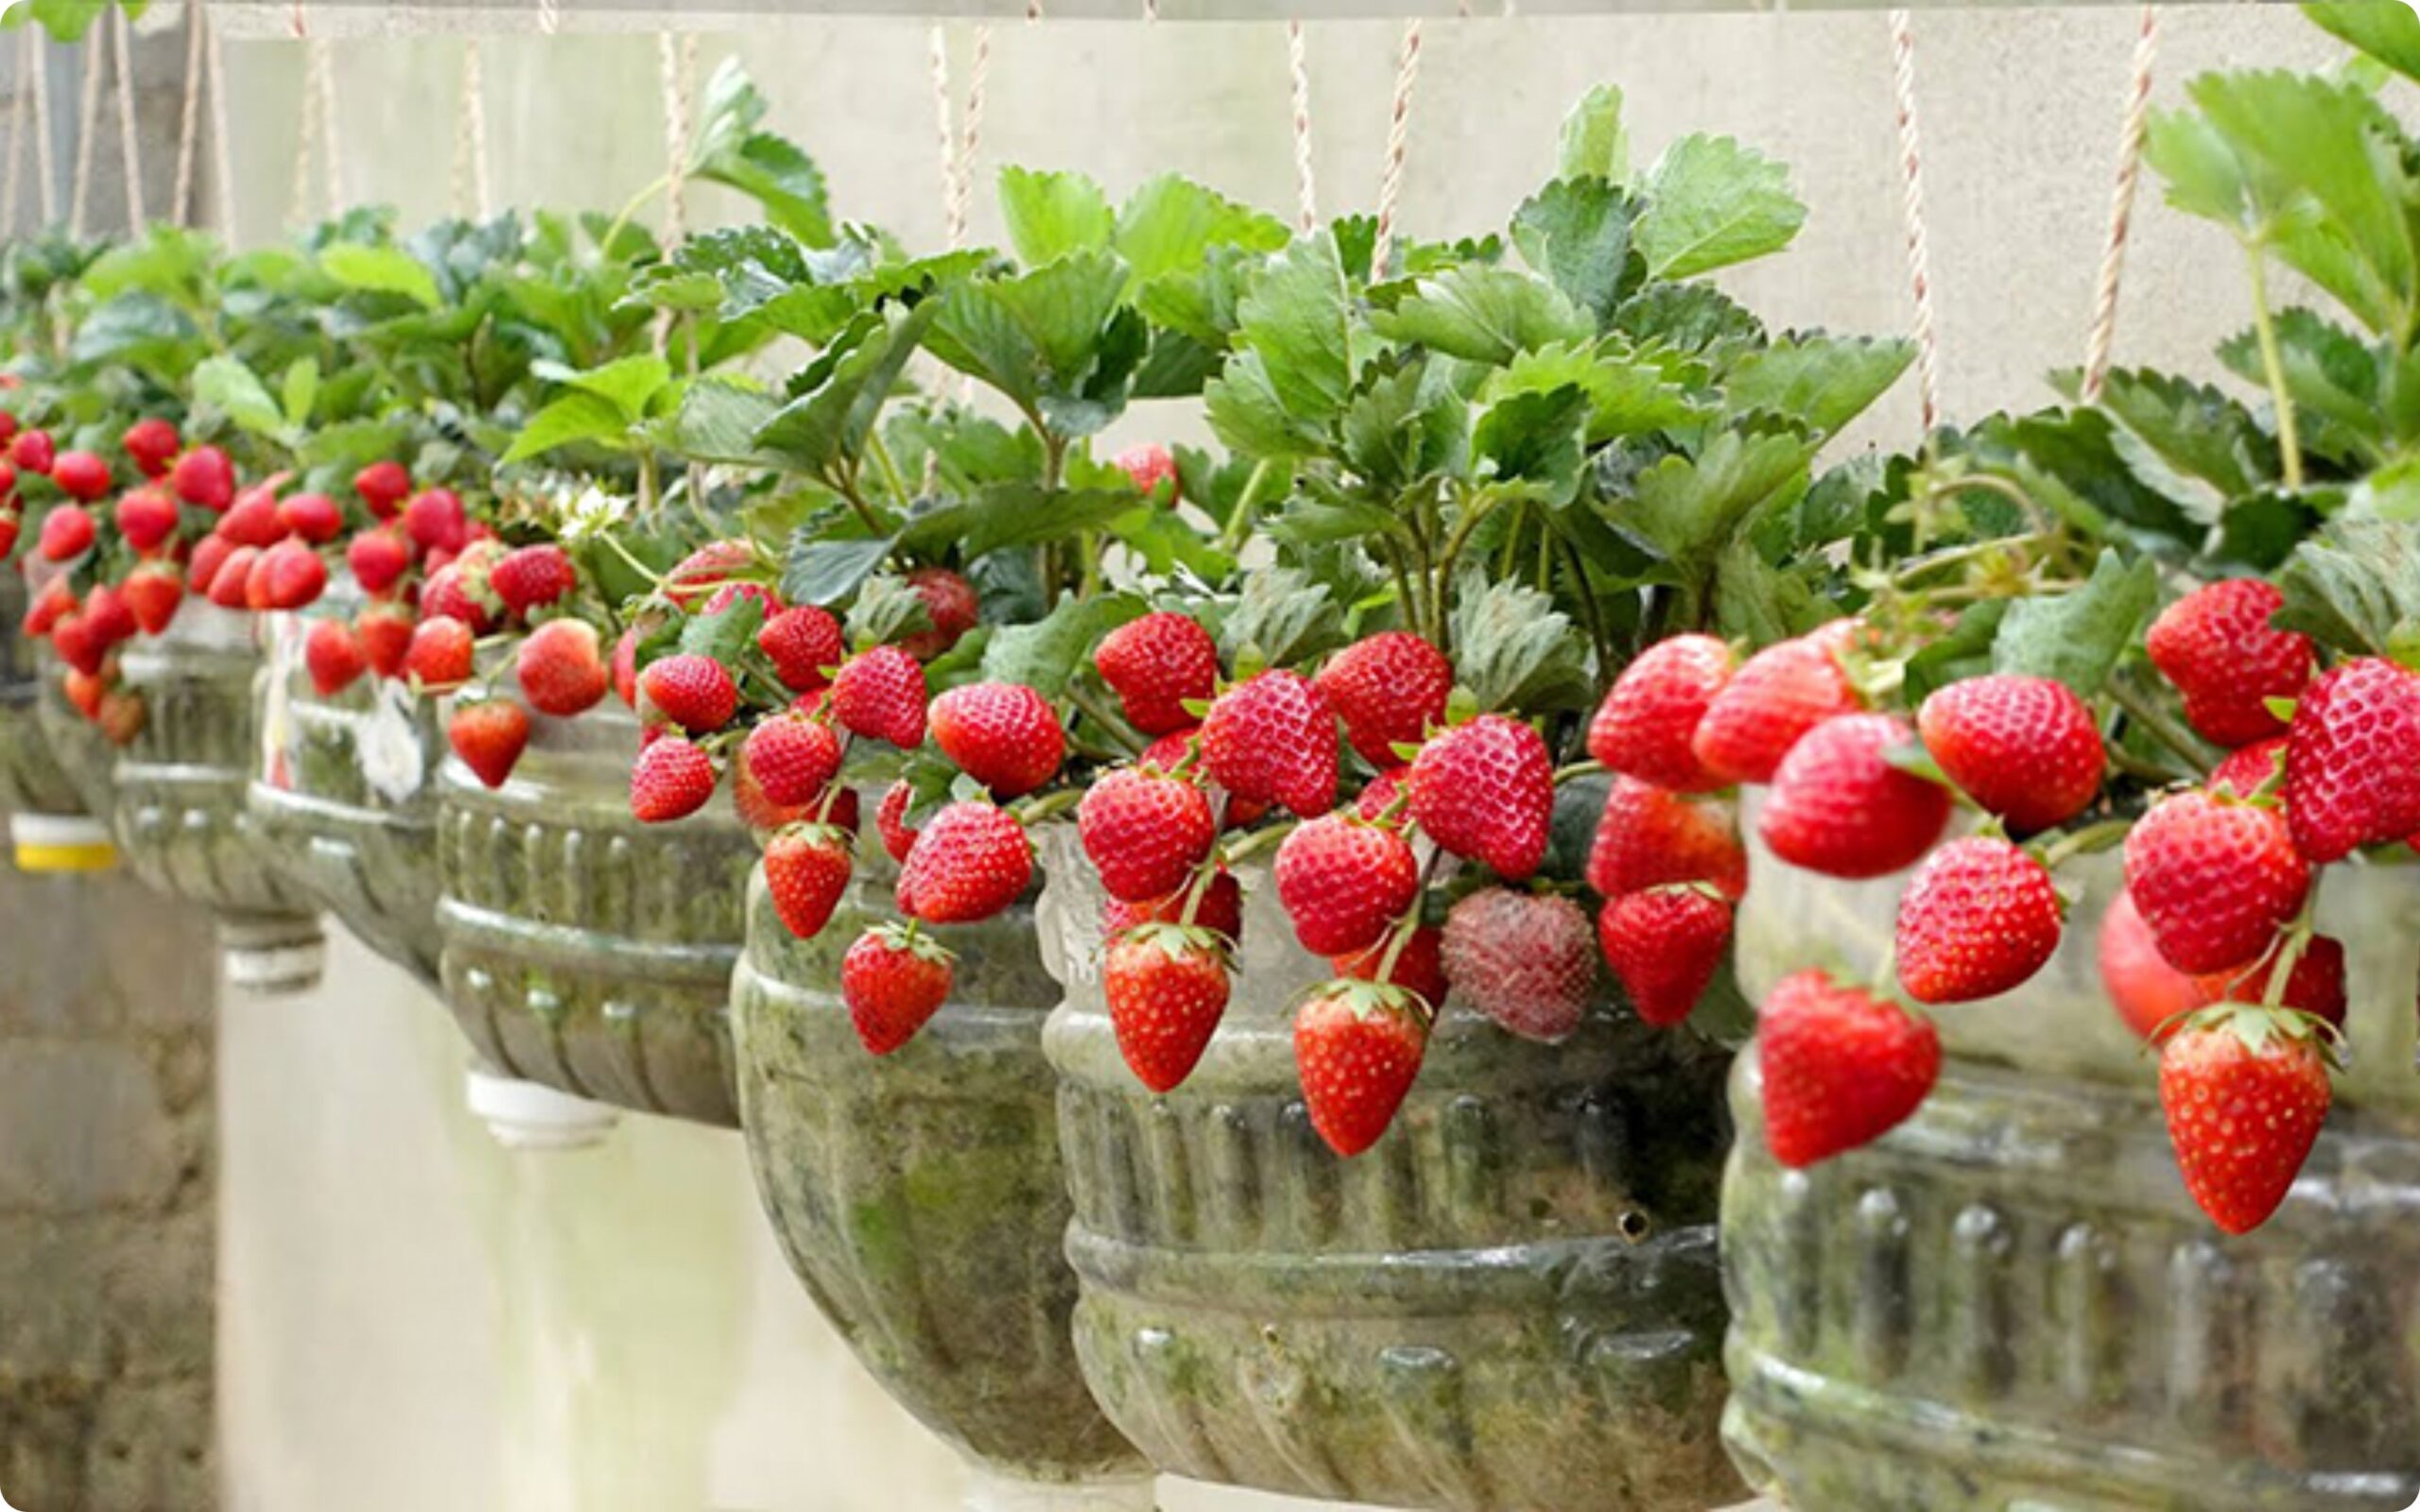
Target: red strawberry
{"type": "Point", "coordinates": [84, 691]}
{"type": "Point", "coordinates": [671, 779]}
{"type": "Point", "coordinates": [81, 475]}
{"type": "Point", "coordinates": [693, 692]}
{"type": "Point", "coordinates": [705, 569]}
{"type": "Point", "coordinates": [879, 693]}
{"type": "Point", "coordinates": [10, 524]}
{"type": "Point", "coordinates": [1358, 1047]}
{"type": "Point", "coordinates": [205, 477]}
{"type": "Point", "coordinates": [1778, 695]}
{"type": "Point", "coordinates": [2145, 989]}
{"type": "Point", "coordinates": [488, 735]}
{"type": "Point", "coordinates": [2353, 760]}
{"type": "Point", "coordinates": [1978, 919]}
{"type": "Point", "coordinates": [435, 520]}
{"type": "Point", "coordinates": [439, 655]}
{"type": "Point", "coordinates": [253, 520]}
{"type": "Point", "coordinates": [2257, 770]}
{"type": "Point", "coordinates": [791, 758]}
{"type": "Point", "coordinates": [7, 418]}
{"type": "Point", "coordinates": [1665, 946]}
{"type": "Point", "coordinates": [2215, 880]}
{"type": "Point", "coordinates": [804, 644]}
{"type": "Point", "coordinates": [532, 577]}
{"type": "Point", "coordinates": [145, 517]}
{"type": "Point", "coordinates": [32, 451]}
{"type": "Point", "coordinates": [625, 667]}
{"type": "Point", "coordinates": [1150, 465]}
{"type": "Point", "coordinates": [2314, 983]}
{"type": "Point", "coordinates": [312, 516]}
{"type": "Point", "coordinates": [107, 618]}
{"type": "Point", "coordinates": [949, 602]}
{"type": "Point", "coordinates": [1220, 910]}
{"type": "Point", "coordinates": [1419, 967]}
{"type": "Point", "coordinates": [1344, 882]}
{"type": "Point", "coordinates": [379, 558]}
{"type": "Point", "coordinates": [67, 533]}
{"type": "Point", "coordinates": [332, 654]}
{"type": "Point", "coordinates": [890, 820]}
{"type": "Point", "coordinates": [894, 981]}
{"type": "Point", "coordinates": [1645, 724]}
{"type": "Point", "coordinates": [2245, 1090]}
{"type": "Point", "coordinates": [1389, 690]}
{"type": "Point", "coordinates": [72, 639]}
{"type": "Point", "coordinates": [382, 487]}
{"type": "Point", "coordinates": [296, 576]}
{"type": "Point", "coordinates": [1841, 1067]}
{"type": "Point", "coordinates": [385, 635]}
{"type": "Point", "coordinates": [2217, 645]}
{"type": "Point", "coordinates": [210, 554]}
{"type": "Point", "coordinates": [806, 869]}
{"type": "Point", "coordinates": [2025, 749]}
{"type": "Point", "coordinates": [1389, 793]}
{"type": "Point", "coordinates": [1271, 738]}
{"type": "Point", "coordinates": [1178, 753]}
{"type": "Point", "coordinates": [1003, 734]}
{"type": "Point", "coordinates": [1485, 791]}
{"type": "Point", "coordinates": [452, 593]}
{"type": "Point", "coordinates": [1527, 960]}
{"type": "Point", "coordinates": [729, 594]}
{"type": "Point", "coordinates": [1166, 988]}
{"type": "Point", "coordinates": [56, 599]}
{"type": "Point", "coordinates": [1839, 807]}
{"type": "Point", "coordinates": [561, 669]}
{"type": "Point", "coordinates": [1648, 837]}
{"type": "Point", "coordinates": [1145, 832]}
{"type": "Point", "coordinates": [763, 814]}
{"type": "Point", "coordinates": [229, 585]}
{"type": "Point", "coordinates": [121, 716]}
{"type": "Point", "coordinates": [151, 446]}
{"type": "Point", "coordinates": [153, 593]}
{"type": "Point", "coordinates": [972, 860]}
{"type": "Point", "coordinates": [1155, 665]}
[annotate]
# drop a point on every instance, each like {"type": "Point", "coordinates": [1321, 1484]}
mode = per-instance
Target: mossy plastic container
{"type": "Point", "coordinates": [1509, 1304]}
{"type": "Point", "coordinates": [920, 1195]}
{"type": "Point", "coordinates": [2010, 1302]}
{"type": "Point", "coordinates": [50, 827]}
{"type": "Point", "coordinates": [580, 949]}
{"type": "Point", "coordinates": [345, 789]}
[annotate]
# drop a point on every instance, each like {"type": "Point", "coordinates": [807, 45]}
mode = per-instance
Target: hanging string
{"type": "Point", "coordinates": [473, 193]}
{"type": "Point", "coordinates": [188, 118]}
{"type": "Point", "coordinates": [129, 144]}
{"type": "Point", "coordinates": [17, 134]}
{"type": "Point", "coordinates": [971, 136]}
{"type": "Point", "coordinates": [1398, 132]}
{"type": "Point", "coordinates": [45, 180]}
{"type": "Point", "coordinates": [551, 18]}
{"type": "Point", "coordinates": [948, 131]}
{"type": "Point", "coordinates": [88, 119]}
{"type": "Point", "coordinates": [339, 199]}
{"type": "Point", "coordinates": [306, 142]}
{"type": "Point", "coordinates": [1903, 86]}
{"type": "Point", "coordinates": [677, 59]}
{"type": "Point", "coordinates": [2121, 207]}
{"type": "Point", "coordinates": [222, 158]}
{"type": "Point", "coordinates": [1298, 73]}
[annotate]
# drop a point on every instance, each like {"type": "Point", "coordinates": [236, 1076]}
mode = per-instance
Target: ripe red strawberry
{"type": "Point", "coordinates": [439, 655]}
{"type": "Point", "coordinates": [2217, 645]}
{"type": "Point", "coordinates": [1418, 967]}
{"type": "Point", "coordinates": [1644, 727]}
{"type": "Point", "coordinates": [379, 558]}
{"type": "Point", "coordinates": [1778, 695]}
{"type": "Point", "coordinates": [1003, 734]}
{"type": "Point", "coordinates": [804, 644]}
{"type": "Point", "coordinates": [1155, 665]}
{"type": "Point", "coordinates": [2215, 880]}
{"type": "Point", "coordinates": [205, 477]}
{"type": "Point", "coordinates": [1390, 791]}
{"type": "Point", "coordinates": [1358, 1047]}
{"type": "Point", "coordinates": [312, 516]}
{"type": "Point", "coordinates": [294, 573]}
{"type": "Point", "coordinates": [729, 594]}
{"type": "Point", "coordinates": [107, 618]}
{"type": "Point", "coordinates": [1271, 738]}
{"type": "Point", "coordinates": [121, 716]}
{"type": "Point", "coordinates": [791, 758]}
{"type": "Point", "coordinates": [253, 520]}
{"type": "Point", "coordinates": [1665, 946]}
{"type": "Point", "coordinates": [84, 691]}
{"type": "Point", "coordinates": [1485, 791]}
{"type": "Point", "coordinates": [67, 533]}
{"type": "Point", "coordinates": [693, 692]}
{"type": "Point", "coordinates": [1344, 882]}
{"type": "Point", "coordinates": [1166, 988]}
{"type": "Point", "coordinates": [333, 655]}
{"type": "Point", "coordinates": [2353, 760]}
{"type": "Point", "coordinates": [229, 585]}
{"type": "Point", "coordinates": [879, 693]}
{"type": "Point", "coordinates": [972, 860]}
{"type": "Point", "coordinates": [2145, 989]}
{"type": "Point", "coordinates": [386, 634]}
{"type": "Point", "coordinates": [1977, 918]}
{"type": "Point", "coordinates": [2314, 983]}
{"type": "Point", "coordinates": [671, 779]}
{"type": "Point", "coordinates": [151, 446]}
{"type": "Point", "coordinates": [56, 599]}
{"type": "Point", "coordinates": [488, 735]}
{"type": "Point", "coordinates": [705, 569]}
{"type": "Point", "coordinates": [560, 668]}
{"type": "Point", "coordinates": [81, 475]}
{"type": "Point", "coordinates": [2255, 771]}
{"type": "Point", "coordinates": [1389, 689]}
{"type": "Point", "coordinates": [10, 524]}
{"type": "Point", "coordinates": [890, 819]}
{"type": "Point", "coordinates": [32, 451]}
{"type": "Point", "coordinates": [2245, 1090]}
{"type": "Point", "coordinates": [766, 816]}
{"type": "Point", "coordinates": [1527, 960]}
{"type": "Point", "coordinates": [949, 602]}
{"type": "Point", "coordinates": [1839, 807]}
{"type": "Point", "coordinates": [1649, 837]}
{"type": "Point", "coordinates": [624, 665]}
{"type": "Point", "coordinates": [532, 577]}
{"type": "Point", "coordinates": [806, 869]}
{"type": "Point", "coordinates": [210, 555]}
{"type": "Point", "coordinates": [894, 981]}
{"type": "Point", "coordinates": [2025, 749]}
{"type": "Point", "coordinates": [454, 593]}
{"type": "Point", "coordinates": [1220, 910]}
{"type": "Point", "coordinates": [1145, 832]}
{"type": "Point", "coordinates": [7, 418]}
{"type": "Point", "coordinates": [1841, 1067]}
{"type": "Point", "coordinates": [1177, 754]}
{"type": "Point", "coordinates": [382, 487]}
{"type": "Point", "coordinates": [145, 517]}
{"type": "Point", "coordinates": [436, 521]}
{"type": "Point", "coordinates": [1150, 465]}
{"type": "Point", "coordinates": [72, 639]}
{"type": "Point", "coordinates": [152, 592]}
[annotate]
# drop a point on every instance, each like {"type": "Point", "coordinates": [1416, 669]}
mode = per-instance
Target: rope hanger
{"type": "Point", "coordinates": [2121, 207]}
{"type": "Point", "coordinates": [1911, 204]}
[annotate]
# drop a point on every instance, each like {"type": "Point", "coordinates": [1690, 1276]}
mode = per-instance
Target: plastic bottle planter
{"type": "Point", "coordinates": [345, 789]}
{"type": "Point", "coordinates": [582, 950]}
{"type": "Point", "coordinates": [2010, 1301]}
{"type": "Point", "coordinates": [919, 1195]}
{"type": "Point", "coordinates": [181, 816]}
{"type": "Point", "coordinates": [1510, 1304]}
{"type": "Point", "coordinates": [49, 826]}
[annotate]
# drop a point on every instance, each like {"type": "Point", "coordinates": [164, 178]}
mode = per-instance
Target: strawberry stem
{"type": "Point", "coordinates": [2090, 840]}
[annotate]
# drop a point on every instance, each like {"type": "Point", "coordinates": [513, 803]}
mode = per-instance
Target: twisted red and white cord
{"type": "Point", "coordinates": [1398, 134]}
{"type": "Point", "coordinates": [88, 119]}
{"type": "Point", "coordinates": [1903, 86]}
{"type": "Point", "coordinates": [677, 60]}
{"type": "Point", "coordinates": [970, 140]}
{"type": "Point", "coordinates": [1298, 73]}
{"type": "Point", "coordinates": [2103, 334]}
{"type": "Point", "coordinates": [129, 141]}
{"type": "Point", "coordinates": [945, 126]}
{"type": "Point", "coordinates": [188, 117]}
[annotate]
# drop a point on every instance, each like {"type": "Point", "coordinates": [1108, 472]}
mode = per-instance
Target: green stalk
{"type": "Point", "coordinates": [2273, 363]}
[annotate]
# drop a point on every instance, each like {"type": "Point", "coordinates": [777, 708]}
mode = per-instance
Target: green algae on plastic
{"type": "Point", "coordinates": [1510, 1303]}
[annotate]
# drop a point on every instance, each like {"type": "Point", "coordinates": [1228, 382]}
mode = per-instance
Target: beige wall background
{"type": "Point", "coordinates": [412, 1318]}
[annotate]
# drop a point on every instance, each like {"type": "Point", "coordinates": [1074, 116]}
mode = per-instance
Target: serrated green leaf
{"type": "Point", "coordinates": [824, 572]}
{"type": "Point", "coordinates": [727, 633]}
{"type": "Point", "coordinates": [1015, 514]}
{"type": "Point", "coordinates": [1712, 202]}
{"type": "Point", "coordinates": [718, 420]}
{"type": "Point", "coordinates": [627, 384]}
{"type": "Point", "coordinates": [235, 391]}
{"type": "Point", "coordinates": [1516, 652]}
{"type": "Point", "coordinates": [1534, 438]}
{"type": "Point", "coordinates": [2331, 377]}
{"type": "Point", "coordinates": [1050, 215]}
{"type": "Point", "coordinates": [1284, 616]}
{"type": "Point", "coordinates": [1964, 652]}
{"type": "Point", "coordinates": [1046, 654]}
{"type": "Point", "coordinates": [1169, 226]}
{"type": "Point", "coordinates": [2193, 428]}
{"type": "Point", "coordinates": [1594, 145]}
{"type": "Point", "coordinates": [381, 270]}
{"type": "Point", "coordinates": [577, 416]}
{"type": "Point", "coordinates": [1245, 412]}
{"type": "Point", "coordinates": [1820, 381]}
{"type": "Point", "coordinates": [1488, 314]}
{"type": "Point", "coordinates": [1577, 233]}
{"type": "Point", "coordinates": [2389, 32]}
{"type": "Point", "coordinates": [301, 390]}
{"type": "Point", "coordinates": [1038, 336]}
{"type": "Point", "coordinates": [1695, 318]}
{"type": "Point", "coordinates": [1759, 603]}
{"type": "Point", "coordinates": [1403, 426]}
{"type": "Point", "coordinates": [829, 420]}
{"type": "Point", "coordinates": [1293, 320]}
{"type": "Point", "coordinates": [1685, 509]}
{"type": "Point", "coordinates": [2078, 636]}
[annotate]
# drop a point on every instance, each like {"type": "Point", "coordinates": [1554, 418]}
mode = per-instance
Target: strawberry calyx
{"type": "Point", "coordinates": [1370, 1000]}
{"type": "Point", "coordinates": [1176, 941]}
{"type": "Point", "coordinates": [908, 938]}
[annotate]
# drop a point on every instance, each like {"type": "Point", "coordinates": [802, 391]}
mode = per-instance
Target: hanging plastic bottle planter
{"type": "Point", "coordinates": [50, 829]}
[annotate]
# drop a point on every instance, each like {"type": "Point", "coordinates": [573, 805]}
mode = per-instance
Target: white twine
{"type": "Point", "coordinates": [129, 144]}
{"type": "Point", "coordinates": [677, 59]}
{"type": "Point", "coordinates": [2121, 207]}
{"type": "Point", "coordinates": [473, 195]}
{"type": "Point", "coordinates": [88, 120]}
{"type": "Point", "coordinates": [306, 143]}
{"type": "Point", "coordinates": [222, 157]}
{"type": "Point", "coordinates": [1903, 85]}
{"type": "Point", "coordinates": [17, 102]}
{"type": "Point", "coordinates": [970, 142]}
{"type": "Point", "coordinates": [1297, 74]}
{"type": "Point", "coordinates": [45, 178]}
{"type": "Point", "coordinates": [942, 112]}
{"type": "Point", "coordinates": [188, 117]}
{"type": "Point", "coordinates": [325, 65]}
{"type": "Point", "coordinates": [1398, 133]}
{"type": "Point", "coordinates": [551, 18]}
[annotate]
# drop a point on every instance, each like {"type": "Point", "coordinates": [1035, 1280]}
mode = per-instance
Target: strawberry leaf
{"type": "Point", "coordinates": [1712, 202]}
{"type": "Point", "coordinates": [1046, 654]}
{"type": "Point", "coordinates": [1820, 381]}
{"type": "Point", "coordinates": [1515, 651]}
{"type": "Point", "coordinates": [2077, 637]}
{"type": "Point", "coordinates": [1595, 145]}
{"type": "Point", "coordinates": [1284, 617]}
{"type": "Point", "coordinates": [1050, 215]}
{"type": "Point", "coordinates": [1488, 314]}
